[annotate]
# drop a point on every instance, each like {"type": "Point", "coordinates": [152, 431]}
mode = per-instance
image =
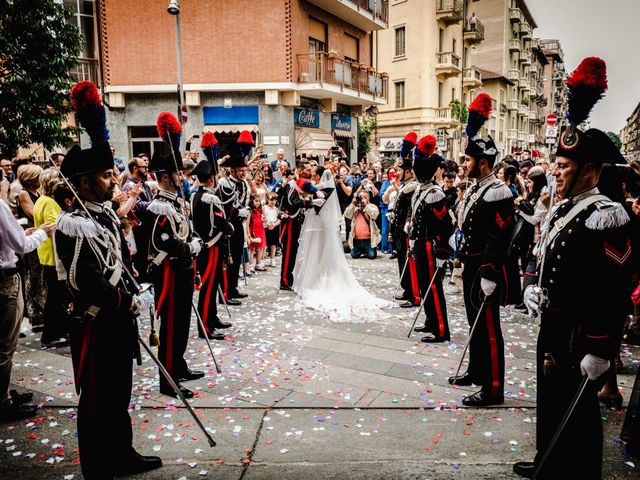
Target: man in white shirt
{"type": "Point", "coordinates": [13, 239]}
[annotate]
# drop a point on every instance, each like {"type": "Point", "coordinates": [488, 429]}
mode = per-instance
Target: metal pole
{"type": "Point", "coordinates": [401, 275]}
{"type": "Point", "coordinates": [224, 300]}
{"type": "Point", "coordinates": [426, 294]}
{"type": "Point", "coordinates": [473, 328]}
{"type": "Point", "coordinates": [206, 337]}
{"type": "Point", "coordinates": [180, 86]}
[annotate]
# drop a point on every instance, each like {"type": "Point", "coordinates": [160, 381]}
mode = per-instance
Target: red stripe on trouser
{"type": "Point", "coordinates": [212, 261]}
{"type": "Point", "coordinates": [170, 319]}
{"type": "Point", "coordinates": [506, 284]}
{"type": "Point", "coordinates": [86, 340]}
{"type": "Point", "coordinates": [165, 285]}
{"type": "Point", "coordinates": [434, 291]}
{"type": "Point", "coordinates": [493, 347]}
{"type": "Point", "coordinates": [285, 267]}
{"type": "Point", "coordinates": [413, 274]}
{"type": "Point", "coordinates": [225, 284]}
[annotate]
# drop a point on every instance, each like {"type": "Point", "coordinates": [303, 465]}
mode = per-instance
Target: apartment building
{"type": "Point", "coordinates": [425, 51]}
{"type": "Point", "coordinates": [509, 50]}
{"type": "Point", "coordinates": [555, 90]}
{"type": "Point", "coordinates": [296, 73]}
{"type": "Point", "coordinates": [630, 136]}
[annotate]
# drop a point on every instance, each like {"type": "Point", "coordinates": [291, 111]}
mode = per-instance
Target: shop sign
{"type": "Point", "coordinates": [340, 122]}
{"type": "Point", "coordinates": [304, 117]}
{"type": "Point", "coordinates": [271, 140]}
{"type": "Point", "coordinates": [390, 144]}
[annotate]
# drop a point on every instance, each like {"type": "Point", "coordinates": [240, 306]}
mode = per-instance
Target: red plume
{"type": "Point", "coordinates": [246, 137]}
{"type": "Point", "coordinates": [411, 137]}
{"type": "Point", "coordinates": [84, 94]}
{"type": "Point", "coordinates": [427, 145]}
{"type": "Point", "coordinates": [168, 123]}
{"type": "Point", "coordinates": [481, 105]}
{"type": "Point", "coordinates": [208, 140]}
{"type": "Point", "coordinates": [591, 72]}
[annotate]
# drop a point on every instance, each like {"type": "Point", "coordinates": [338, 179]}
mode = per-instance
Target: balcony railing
{"type": "Point", "coordinates": [447, 63]}
{"type": "Point", "coordinates": [524, 82]}
{"type": "Point", "coordinates": [525, 30]}
{"type": "Point", "coordinates": [322, 68]}
{"type": "Point", "coordinates": [473, 31]}
{"type": "Point", "coordinates": [472, 77]}
{"type": "Point", "coordinates": [449, 11]}
{"type": "Point", "coordinates": [522, 136]}
{"type": "Point", "coordinates": [512, 134]}
{"type": "Point", "coordinates": [379, 8]}
{"type": "Point", "coordinates": [531, 138]}
{"type": "Point", "coordinates": [514, 45]}
{"type": "Point", "coordinates": [525, 58]}
{"type": "Point", "coordinates": [365, 14]}
{"type": "Point", "coordinates": [523, 110]}
{"type": "Point", "coordinates": [444, 116]}
{"type": "Point", "coordinates": [513, 74]}
{"type": "Point", "coordinates": [512, 104]}
{"type": "Point", "coordinates": [515, 15]}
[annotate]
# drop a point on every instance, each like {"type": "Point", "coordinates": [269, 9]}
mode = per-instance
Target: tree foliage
{"type": "Point", "coordinates": [38, 49]}
{"type": "Point", "coordinates": [459, 111]}
{"type": "Point", "coordinates": [366, 127]}
{"type": "Point", "coordinates": [615, 139]}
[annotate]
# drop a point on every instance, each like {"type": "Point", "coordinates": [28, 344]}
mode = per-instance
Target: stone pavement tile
{"type": "Point", "coordinates": [304, 400]}
{"type": "Point", "coordinates": [367, 399]}
{"type": "Point", "coordinates": [341, 334]}
{"type": "Point", "coordinates": [361, 363]}
{"type": "Point", "coordinates": [339, 392]}
{"type": "Point", "coordinates": [334, 345]}
{"type": "Point", "coordinates": [375, 381]}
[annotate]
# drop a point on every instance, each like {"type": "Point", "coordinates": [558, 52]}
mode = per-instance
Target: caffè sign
{"type": "Point", "coordinates": [304, 117]}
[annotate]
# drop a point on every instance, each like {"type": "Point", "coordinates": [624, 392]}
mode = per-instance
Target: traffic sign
{"type": "Point", "coordinates": [552, 131]}
{"type": "Point", "coordinates": [552, 119]}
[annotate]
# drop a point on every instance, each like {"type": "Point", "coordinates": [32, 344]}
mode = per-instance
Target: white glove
{"type": "Point", "coordinates": [243, 212]}
{"type": "Point", "coordinates": [292, 183]}
{"type": "Point", "coordinates": [142, 301]}
{"type": "Point", "coordinates": [318, 202]}
{"type": "Point", "coordinates": [440, 262]}
{"type": "Point", "coordinates": [195, 246]}
{"type": "Point", "coordinates": [593, 366]}
{"type": "Point", "coordinates": [412, 243]}
{"type": "Point", "coordinates": [531, 299]}
{"type": "Point", "coordinates": [407, 228]}
{"type": "Point", "coordinates": [487, 286]}
{"type": "Point", "coordinates": [319, 194]}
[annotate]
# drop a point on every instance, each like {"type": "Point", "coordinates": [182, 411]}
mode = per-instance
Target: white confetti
{"type": "Point", "coordinates": [284, 450]}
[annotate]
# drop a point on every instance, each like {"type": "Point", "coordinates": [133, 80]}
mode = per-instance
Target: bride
{"type": "Point", "coordinates": [322, 277]}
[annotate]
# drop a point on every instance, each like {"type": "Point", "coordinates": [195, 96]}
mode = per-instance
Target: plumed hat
{"type": "Point", "coordinates": [586, 85]}
{"type": "Point", "coordinates": [240, 158]}
{"type": "Point", "coordinates": [203, 170]}
{"type": "Point", "coordinates": [209, 145]}
{"type": "Point", "coordinates": [477, 146]}
{"type": "Point", "coordinates": [425, 161]}
{"type": "Point", "coordinates": [90, 113]}
{"type": "Point", "coordinates": [408, 143]}
{"type": "Point", "coordinates": [170, 131]}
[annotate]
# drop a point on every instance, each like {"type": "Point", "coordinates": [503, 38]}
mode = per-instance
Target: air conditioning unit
{"type": "Point", "coordinates": [304, 77]}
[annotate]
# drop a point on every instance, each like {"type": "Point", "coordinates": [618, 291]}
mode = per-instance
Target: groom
{"type": "Point", "coordinates": [294, 198]}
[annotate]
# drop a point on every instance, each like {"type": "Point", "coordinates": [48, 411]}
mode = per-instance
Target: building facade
{"type": "Point", "coordinates": [426, 52]}
{"type": "Point", "coordinates": [630, 136]}
{"type": "Point", "coordinates": [554, 88]}
{"type": "Point", "coordinates": [296, 73]}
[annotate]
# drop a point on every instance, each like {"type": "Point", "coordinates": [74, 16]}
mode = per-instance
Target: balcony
{"type": "Point", "coordinates": [367, 15]}
{"type": "Point", "coordinates": [512, 134]}
{"type": "Point", "coordinates": [515, 15]}
{"type": "Point", "coordinates": [531, 138]}
{"type": "Point", "coordinates": [525, 58]}
{"type": "Point", "coordinates": [473, 32]}
{"type": "Point", "coordinates": [523, 110]}
{"type": "Point", "coordinates": [513, 74]}
{"type": "Point", "coordinates": [524, 82]}
{"type": "Point", "coordinates": [449, 11]}
{"type": "Point", "coordinates": [443, 117]}
{"type": "Point", "coordinates": [525, 30]}
{"type": "Point", "coordinates": [447, 64]}
{"type": "Point", "coordinates": [522, 136]}
{"type": "Point", "coordinates": [512, 104]}
{"type": "Point", "coordinates": [471, 78]}
{"type": "Point", "coordinates": [514, 45]}
{"type": "Point", "coordinates": [323, 75]}
{"type": "Point", "coordinates": [533, 115]}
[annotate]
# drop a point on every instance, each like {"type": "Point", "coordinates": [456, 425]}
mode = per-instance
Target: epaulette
{"type": "Point", "coordinates": [608, 214]}
{"type": "Point", "coordinates": [434, 196]}
{"type": "Point", "coordinates": [159, 207]}
{"type": "Point", "coordinates": [76, 224]}
{"type": "Point", "coordinates": [497, 192]}
{"type": "Point", "coordinates": [211, 199]}
{"type": "Point", "coordinates": [409, 187]}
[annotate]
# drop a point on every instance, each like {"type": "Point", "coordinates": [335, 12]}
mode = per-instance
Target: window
{"type": "Point", "coordinates": [145, 140]}
{"type": "Point", "coordinates": [454, 45]}
{"type": "Point", "coordinates": [400, 47]}
{"type": "Point", "coordinates": [440, 39]}
{"type": "Point", "coordinates": [85, 19]}
{"type": "Point", "coordinates": [351, 50]}
{"type": "Point", "coordinates": [440, 93]}
{"type": "Point", "coordinates": [453, 94]}
{"type": "Point", "coordinates": [399, 94]}
{"type": "Point", "coordinates": [501, 132]}
{"type": "Point", "coordinates": [317, 45]}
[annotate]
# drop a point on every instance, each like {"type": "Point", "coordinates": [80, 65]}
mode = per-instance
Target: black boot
{"type": "Point", "coordinates": [191, 375]}
{"type": "Point", "coordinates": [431, 338]}
{"type": "Point", "coordinates": [524, 469]}
{"type": "Point", "coordinates": [186, 393]}
{"type": "Point", "coordinates": [482, 399]}
{"type": "Point", "coordinates": [137, 463]}
{"type": "Point", "coordinates": [463, 380]}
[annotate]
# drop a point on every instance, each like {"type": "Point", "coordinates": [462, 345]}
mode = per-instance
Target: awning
{"type": "Point", "coordinates": [313, 141]}
{"type": "Point", "coordinates": [230, 128]}
{"type": "Point", "coordinates": [342, 133]}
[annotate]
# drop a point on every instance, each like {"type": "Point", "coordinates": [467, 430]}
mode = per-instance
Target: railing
{"type": "Point", "coordinates": [522, 136]}
{"type": "Point", "coordinates": [472, 73]}
{"type": "Point", "coordinates": [512, 134]}
{"type": "Point", "coordinates": [514, 45]}
{"type": "Point", "coordinates": [523, 110]}
{"type": "Point", "coordinates": [512, 104]}
{"type": "Point", "coordinates": [524, 82]}
{"type": "Point", "coordinates": [525, 30]}
{"type": "Point", "coordinates": [447, 59]}
{"type": "Point", "coordinates": [531, 138]}
{"type": "Point", "coordinates": [454, 7]}
{"type": "Point", "coordinates": [379, 8]}
{"type": "Point", "coordinates": [322, 67]}
{"type": "Point", "coordinates": [515, 15]}
{"type": "Point", "coordinates": [444, 114]}
{"type": "Point", "coordinates": [513, 74]}
{"type": "Point", "coordinates": [474, 27]}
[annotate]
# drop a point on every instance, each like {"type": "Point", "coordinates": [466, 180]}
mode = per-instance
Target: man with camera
{"type": "Point", "coordinates": [365, 234]}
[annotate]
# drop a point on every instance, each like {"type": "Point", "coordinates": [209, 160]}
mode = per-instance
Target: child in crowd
{"type": "Point", "coordinates": [271, 221]}
{"type": "Point", "coordinates": [257, 236]}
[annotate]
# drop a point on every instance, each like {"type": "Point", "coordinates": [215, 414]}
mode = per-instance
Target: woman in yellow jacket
{"type": "Point", "coordinates": [46, 209]}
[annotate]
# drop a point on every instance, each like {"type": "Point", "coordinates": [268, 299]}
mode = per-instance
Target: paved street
{"type": "Point", "coordinates": [300, 396]}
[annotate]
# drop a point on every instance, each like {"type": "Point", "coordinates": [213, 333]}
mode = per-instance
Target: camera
{"type": "Point", "coordinates": [264, 155]}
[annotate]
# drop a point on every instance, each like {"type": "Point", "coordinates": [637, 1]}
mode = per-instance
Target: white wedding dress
{"type": "Point", "coordinates": [321, 276]}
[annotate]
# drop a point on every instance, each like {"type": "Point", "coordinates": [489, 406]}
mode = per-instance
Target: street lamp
{"type": "Point", "coordinates": [174, 9]}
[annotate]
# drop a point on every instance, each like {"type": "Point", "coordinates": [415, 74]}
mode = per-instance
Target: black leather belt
{"type": "Point", "coordinates": [7, 272]}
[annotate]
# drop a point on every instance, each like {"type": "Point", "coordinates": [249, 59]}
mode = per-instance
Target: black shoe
{"type": "Point", "coordinates": [233, 302]}
{"type": "Point", "coordinates": [482, 399]}
{"type": "Point", "coordinates": [408, 304]}
{"type": "Point", "coordinates": [463, 380]}
{"type": "Point", "coordinates": [17, 412]}
{"type": "Point", "coordinates": [20, 398]}
{"type": "Point", "coordinates": [215, 335]}
{"type": "Point", "coordinates": [220, 324]}
{"type": "Point", "coordinates": [401, 297]}
{"type": "Point", "coordinates": [186, 393]}
{"type": "Point", "coordinates": [393, 256]}
{"type": "Point", "coordinates": [431, 338]}
{"type": "Point", "coordinates": [137, 464]}
{"type": "Point", "coordinates": [191, 375]}
{"type": "Point", "coordinates": [22, 335]}
{"type": "Point", "coordinates": [59, 343]}
{"type": "Point", "coordinates": [239, 295]}
{"type": "Point", "coordinates": [520, 306]}
{"type": "Point", "coordinates": [286, 287]}
{"type": "Point", "coordinates": [422, 329]}
{"type": "Point", "coordinates": [524, 469]}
